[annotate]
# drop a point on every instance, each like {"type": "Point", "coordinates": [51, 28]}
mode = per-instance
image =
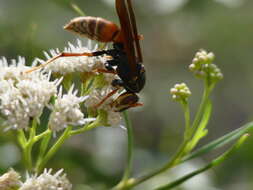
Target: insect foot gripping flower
{"type": "Point", "coordinates": [10, 180]}
{"type": "Point", "coordinates": [96, 96]}
{"type": "Point", "coordinates": [180, 92]}
{"type": "Point", "coordinates": [23, 96]}
{"type": "Point", "coordinates": [203, 67]}
{"type": "Point", "coordinates": [47, 181]}
{"type": "Point", "coordinates": [69, 65]}
{"type": "Point", "coordinates": [66, 111]}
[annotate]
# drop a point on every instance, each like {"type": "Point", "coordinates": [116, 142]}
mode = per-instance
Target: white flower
{"type": "Point", "coordinates": [66, 65]}
{"type": "Point", "coordinates": [23, 96]}
{"type": "Point", "coordinates": [66, 111]}
{"type": "Point", "coordinates": [97, 95]}
{"type": "Point", "coordinates": [47, 181]}
{"type": "Point", "coordinates": [113, 118]}
{"type": "Point", "coordinates": [180, 91]}
{"type": "Point", "coordinates": [10, 180]}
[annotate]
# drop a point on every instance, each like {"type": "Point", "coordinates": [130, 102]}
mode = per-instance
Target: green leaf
{"type": "Point", "coordinates": [220, 141]}
{"type": "Point", "coordinates": [213, 163]}
{"type": "Point", "coordinates": [201, 130]}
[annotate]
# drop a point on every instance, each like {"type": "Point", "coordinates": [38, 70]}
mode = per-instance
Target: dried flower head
{"type": "Point", "coordinates": [203, 67]}
{"type": "Point", "coordinates": [180, 92]}
{"type": "Point", "coordinates": [23, 96]}
{"type": "Point", "coordinates": [47, 181]}
{"type": "Point", "coordinates": [10, 180]}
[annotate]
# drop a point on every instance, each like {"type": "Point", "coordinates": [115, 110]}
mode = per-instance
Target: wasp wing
{"type": "Point", "coordinates": [135, 31]}
{"type": "Point", "coordinates": [128, 34]}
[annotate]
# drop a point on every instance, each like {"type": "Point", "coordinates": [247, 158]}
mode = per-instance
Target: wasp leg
{"type": "Point", "coordinates": [106, 97]}
{"type": "Point", "coordinates": [58, 56]}
{"type": "Point", "coordinates": [64, 54]}
{"type": "Point", "coordinates": [105, 71]}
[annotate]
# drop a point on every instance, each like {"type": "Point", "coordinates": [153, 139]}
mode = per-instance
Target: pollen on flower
{"type": "Point", "coordinates": [180, 92]}
{"type": "Point", "coordinates": [47, 181]}
{"type": "Point", "coordinates": [10, 180]}
{"type": "Point", "coordinates": [67, 65]}
{"type": "Point", "coordinates": [66, 111]}
{"type": "Point", "coordinates": [23, 96]}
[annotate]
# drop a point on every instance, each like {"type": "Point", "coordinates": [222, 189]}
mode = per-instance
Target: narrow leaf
{"type": "Point", "coordinates": [220, 141]}
{"type": "Point", "coordinates": [213, 163]}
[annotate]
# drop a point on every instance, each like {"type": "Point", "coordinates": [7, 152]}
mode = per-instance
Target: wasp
{"type": "Point", "coordinates": [126, 53]}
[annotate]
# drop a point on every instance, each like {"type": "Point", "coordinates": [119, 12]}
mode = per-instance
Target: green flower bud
{"type": "Point", "coordinates": [203, 67]}
{"type": "Point", "coordinates": [180, 92]}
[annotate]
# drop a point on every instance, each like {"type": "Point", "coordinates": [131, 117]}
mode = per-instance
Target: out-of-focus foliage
{"type": "Point", "coordinates": [173, 30]}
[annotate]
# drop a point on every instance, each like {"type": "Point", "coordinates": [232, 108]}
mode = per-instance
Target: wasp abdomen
{"type": "Point", "coordinates": [94, 28]}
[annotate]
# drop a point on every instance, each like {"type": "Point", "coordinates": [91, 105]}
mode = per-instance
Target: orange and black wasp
{"type": "Point", "coordinates": [126, 53]}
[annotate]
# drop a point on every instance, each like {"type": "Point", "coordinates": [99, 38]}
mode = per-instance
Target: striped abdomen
{"type": "Point", "coordinates": [94, 28]}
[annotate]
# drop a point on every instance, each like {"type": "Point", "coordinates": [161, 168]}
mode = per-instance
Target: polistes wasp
{"type": "Point", "coordinates": [126, 53]}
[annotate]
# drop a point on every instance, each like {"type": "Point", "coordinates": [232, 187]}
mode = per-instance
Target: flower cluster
{"type": "Point", "coordinates": [202, 66]}
{"type": "Point", "coordinates": [69, 65]}
{"type": "Point", "coordinates": [23, 96]}
{"type": "Point", "coordinates": [180, 92]}
{"type": "Point", "coordinates": [10, 180]}
{"type": "Point", "coordinates": [66, 111]}
{"type": "Point", "coordinates": [47, 181]}
{"type": "Point", "coordinates": [87, 66]}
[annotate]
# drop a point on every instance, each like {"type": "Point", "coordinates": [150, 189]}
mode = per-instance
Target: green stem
{"type": "Point", "coordinates": [128, 167]}
{"type": "Point", "coordinates": [183, 147]}
{"type": "Point", "coordinates": [86, 128]}
{"type": "Point", "coordinates": [44, 134]}
{"type": "Point", "coordinates": [172, 163]}
{"type": "Point", "coordinates": [213, 163]}
{"type": "Point", "coordinates": [202, 106]}
{"type": "Point", "coordinates": [21, 138]}
{"type": "Point", "coordinates": [54, 148]}
{"type": "Point", "coordinates": [27, 156]}
{"type": "Point", "coordinates": [187, 119]}
{"type": "Point", "coordinates": [43, 146]}
{"type": "Point", "coordinates": [27, 149]}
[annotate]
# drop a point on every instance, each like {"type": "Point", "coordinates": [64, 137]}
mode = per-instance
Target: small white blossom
{"type": "Point", "coordinates": [47, 181]}
{"type": "Point", "coordinates": [113, 118]}
{"type": "Point", "coordinates": [23, 95]}
{"type": "Point", "coordinates": [66, 111]}
{"type": "Point", "coordinates": [66, 65]}
{"type": "Point", "coordinates": [97, 95]}
{"type": "Point", "coordinates": [180, 91]}
{"type": "Point", "coordinates": [203, 67]}
{"type": "Point", "coordinates": [10, 180]}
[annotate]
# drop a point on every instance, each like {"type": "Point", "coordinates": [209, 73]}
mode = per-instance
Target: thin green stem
{"type": "Point", "coordinates": [77, 9]}
{"type": "Point", "coordinates": [43, 146]}
{"type": "Point", "coordinates": [128, 167]}
{"type": "Point", "coordinates": [27, 149]}
{"type": "Point", "coordinates": [213, 163]}
{"type": "Point", "coordinates": [54, 148]}
{"type": "Point", "coordinates": [44, 134]}
{"type": "Point", "coordinates": [187, 119]}
{"type": "Point", "coordinates": [201, 108]}
{"type": "Point", "coordinates": [27, 156]}
{"type": "Point", "coordinates": [172, 163]}
{"type": "Point", "coordinates": [87, 127]}
{"type": "Point", "coordinates": [22, 138]}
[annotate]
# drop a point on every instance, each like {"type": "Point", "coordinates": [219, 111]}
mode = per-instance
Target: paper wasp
{"type": "Point", "coordinates": [126, 53]}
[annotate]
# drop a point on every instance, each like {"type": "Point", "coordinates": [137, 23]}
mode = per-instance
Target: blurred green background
{"type": "Point", "coordinates": [173, 31]}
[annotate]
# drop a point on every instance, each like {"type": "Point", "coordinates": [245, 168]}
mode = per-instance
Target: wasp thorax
{"type": "Point", "coordinates": [94, 28]}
